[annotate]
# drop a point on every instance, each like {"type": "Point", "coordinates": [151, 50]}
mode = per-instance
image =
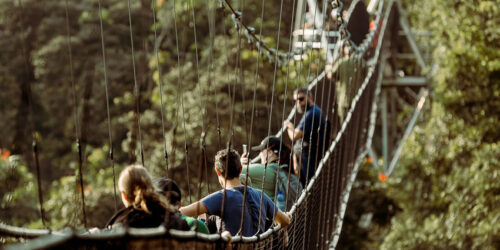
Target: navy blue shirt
{"type": "Point", "coordinates": [312, 143]}
{"type": "Point", "coordinates": [311, 121]}
{"type": "Point", "coordinates": [232, 209]}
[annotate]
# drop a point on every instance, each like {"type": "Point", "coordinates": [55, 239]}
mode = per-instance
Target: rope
{"type": "Point", "coordinates": [181, 98]}
{"type": "Point", "coordinates": [284, 104]}
{"type": "Point", "coordinates": [75, 116]}
{"type": "Point", "coordinates": [30, 119]}
{"type": "Point", "coordinates": [211, 27]}
{"type": "Point", "coordinates": [136, 89]}
{"type": "Point", "coordinates": [271, 54]}
{"type": "Point", "coordinates": [240, 69]}
{"type": "Point", "coordinates": [296, 220]}
{"type": "Point", "coordinates": [39, 182]}
{"type": "Point", "coordinates": [111, 156]}
{"type": "Point", "coordinates": [307, 166]}
{"type": "Point", "coordinates": [162, 102]}
{"type": "Point", "coordinates": [256, 77]}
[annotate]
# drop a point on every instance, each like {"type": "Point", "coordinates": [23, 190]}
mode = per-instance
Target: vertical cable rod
{"type": "Point", "coordinates": [181, 97]}
{"type": "Point", "coordinates": [136, 88]}
{"type": "Point", "coordinates": [111, 156]}
{"type": "Point", "coordinates": [75, 116]}
{"type": "Point", "coordinates": [160, 81]}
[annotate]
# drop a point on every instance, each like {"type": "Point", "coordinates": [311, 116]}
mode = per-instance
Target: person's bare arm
{"type": "Point", "coordinates": [297, 135]}
{"type": "Point", "coordinates": [282, 219]}
{"type": "Point", "coordinates": [194, 209]}
{"type": "Point", "coordinates": [296, 166]}
{"type": "Point", "coordinates": [293, 133]}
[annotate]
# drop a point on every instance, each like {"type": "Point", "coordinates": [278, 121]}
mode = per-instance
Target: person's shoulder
{"type": "Point", "coordinates": [256, 168]}
{"type": "Point", "coordinates": [213, 195]}
{"type": "Point", "coordinates": [141, 219]}
{"type": "Point", "coordinates": [318, 111]}
{"type": "Point", "coordinates": [317, 108]}
{"type": "Point", "coordinates": [119, 217]}
{"type": "Point", "coordinates": [254, 191]}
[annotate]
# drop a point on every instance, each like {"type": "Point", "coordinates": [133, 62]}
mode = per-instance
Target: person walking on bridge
{"type": "Point", "coordinates": [308, 135]}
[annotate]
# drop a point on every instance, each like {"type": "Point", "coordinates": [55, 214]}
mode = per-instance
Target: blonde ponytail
{"type": "Point", "coordinates": [137, 185]}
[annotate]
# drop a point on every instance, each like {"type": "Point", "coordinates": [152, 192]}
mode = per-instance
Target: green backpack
{"type": "Point", "coordinates": [295, 190]}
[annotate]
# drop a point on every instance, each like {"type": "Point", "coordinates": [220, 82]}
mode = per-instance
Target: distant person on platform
{"type": "Point", "coordinates": [351, 72]}
{"type": "Point", "coordinates": [228, 168]}
{"type": "Point", "coordinates": [310, 136]}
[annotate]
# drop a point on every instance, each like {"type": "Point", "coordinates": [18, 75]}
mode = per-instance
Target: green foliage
{"type": "Point", "coordinates": [18, 193]}
{"type": "Point", "coordinates": [447, 181]}
{"type": "Point", "coordinates": [449, 190]}
{"type": "Point", "coordinates": [47, 97]}
{"type": "Point", "coordinates": [369, 211]}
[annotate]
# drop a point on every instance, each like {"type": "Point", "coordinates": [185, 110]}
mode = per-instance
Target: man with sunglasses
{"type": "Point", "coordinates": [308, 135]}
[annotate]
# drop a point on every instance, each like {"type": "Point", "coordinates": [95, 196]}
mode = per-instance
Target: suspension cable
{"type": "Point", "coordinates": [256, 77]}
{"type": "Point", "coordinates": [203, 133]}
{"type": "Point", "coordinates": [181, 98]}
{"type": "Point", "coordinates": [308, 162]}
{"type": "Point", "coordinates": [136, 88]}
{"type": "Point", "coordinates": [30, 117]}
{"type": "Point", "coordinates": [75, 116]}
{"type": "Point", "coordinates": [111, 156]}
{"type": "Point", "coordinates": [211, 28]}
{"type": "Point", "coordinates": [239, 69]}
{"type": "Point", "coordinates": [299, 69]}
{"type": "Point", "coordinates": [271, 113]}
{"type": "Point", "coordinates": [160, 81]}
{"type": "Point", "coordinates": [291, 164]}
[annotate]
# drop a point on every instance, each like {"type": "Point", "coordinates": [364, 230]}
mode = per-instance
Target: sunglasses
{"type": "Point", "coordinates": [299, 99]}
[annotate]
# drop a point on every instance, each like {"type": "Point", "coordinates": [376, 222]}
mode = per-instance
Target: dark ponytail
{"type": "Point", "coordinates": [285, 156]}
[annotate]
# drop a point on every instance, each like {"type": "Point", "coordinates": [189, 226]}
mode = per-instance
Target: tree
{"type": "Point", "coordinates": [447, 181]}
{"type": "Point", "coordinates": [55, 100]}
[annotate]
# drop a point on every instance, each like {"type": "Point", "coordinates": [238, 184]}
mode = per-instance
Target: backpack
{"type": "Point", "coordinates": [290, 194]}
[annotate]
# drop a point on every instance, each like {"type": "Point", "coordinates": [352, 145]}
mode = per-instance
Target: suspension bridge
{"type": "Point", "coordinates": [373, 88]}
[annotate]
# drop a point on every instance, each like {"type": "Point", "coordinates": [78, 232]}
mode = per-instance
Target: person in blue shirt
{"type": "Point", "coordinates": [257, 205]}
{"type": "Point", "coordinates": [308, 137]}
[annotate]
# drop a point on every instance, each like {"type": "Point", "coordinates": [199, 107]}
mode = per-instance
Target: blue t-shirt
{"type": "Point", "coordinates": [311, 121]}
{"type": "Point", "coordinates": [312, 142]}
{"type": "Point", "coordinates": [232, 209]}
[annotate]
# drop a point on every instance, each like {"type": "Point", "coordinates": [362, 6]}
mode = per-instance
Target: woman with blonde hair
{"type": "Point", "coordinates": [143, 206]}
